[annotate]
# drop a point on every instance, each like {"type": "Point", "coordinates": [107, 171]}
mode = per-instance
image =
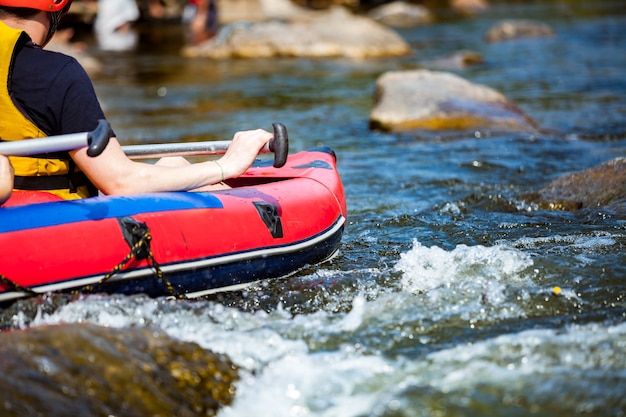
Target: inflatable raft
{"type": "Point", "coordinates": [273, 222]}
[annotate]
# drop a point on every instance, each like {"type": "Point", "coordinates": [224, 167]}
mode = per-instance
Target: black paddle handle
{"type": "Point", "coordinates": [98, 139]}
{"type": "Point", "coordinates": [279, 145]}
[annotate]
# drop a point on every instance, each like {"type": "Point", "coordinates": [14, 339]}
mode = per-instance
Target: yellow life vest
{"type": "Point", "coordinates": [52, 172]}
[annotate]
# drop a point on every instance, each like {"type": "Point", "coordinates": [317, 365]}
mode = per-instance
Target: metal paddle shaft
{"type": "Point", "coordinates": [279, 145]}
{"type": "Point", "coordinates": [96, 141]}
{"type": "Point", "coordinates": [159, 150]}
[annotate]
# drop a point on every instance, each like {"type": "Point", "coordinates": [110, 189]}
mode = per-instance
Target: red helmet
{"type": "Point", "coordinates": [45, 5]}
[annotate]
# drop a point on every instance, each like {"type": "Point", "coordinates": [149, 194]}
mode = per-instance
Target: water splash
{"type": "Point", "coordinates": [330, 364]}
{"type": "Point", "coordinates": [425, 269]}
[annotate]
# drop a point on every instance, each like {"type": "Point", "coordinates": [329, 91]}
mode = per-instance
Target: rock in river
{"type": "Point", "coordinates": [87, 370]}
{"type": "Point", "coordinates": [603, 186]}
{"type": "Point", "coordinates": [401, 14]}
{"type": "Point", "coordinates": [518, 29]}
{"type": "Point", "coordinates": [423, 99]}
{"type": "Point", "coordinates": [332, 33]}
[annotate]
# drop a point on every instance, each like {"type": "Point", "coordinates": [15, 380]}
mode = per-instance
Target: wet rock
{"type": "Point", "coordinates": [456, 61]}
{"type": "Point", "coordinates": [21, 313]}
{"type": "Point", "coordinates": [332, 33]}
{"type": "Point", "coordinates": [87, 370]}
{"type": "Point", "coordinates": [517, 29]}
{"type": "Point", "coordinates": [603, 186]}
{"type": "Point", "coordinates": [423, 99]}
{"type": "Point", "coordinates": [401, 14]}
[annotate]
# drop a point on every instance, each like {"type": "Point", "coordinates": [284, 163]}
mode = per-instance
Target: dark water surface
{"type": "Point", "coordinates": [441, 302]}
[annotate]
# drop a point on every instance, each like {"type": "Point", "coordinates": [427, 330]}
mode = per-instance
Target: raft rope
{"type": "Point", "coordinates": [139, 250]}
{"type": "Point", "coordinates": [15, 286]}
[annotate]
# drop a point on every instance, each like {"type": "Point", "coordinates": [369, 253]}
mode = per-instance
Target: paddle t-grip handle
{"type": "Point", "coordinates": [98, 139]}
{"type": "Point", "coordinates": [279, 145]}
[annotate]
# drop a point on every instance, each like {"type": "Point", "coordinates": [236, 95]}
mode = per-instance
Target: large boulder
{"type": "Point", "coordinates": [423, 99]}
{"type": "Point", "coordinates": [87, 370]}
{"type": "Point", "coordinates": [603, 186]}
{"type": "Point", "coordinates": [332, 33]}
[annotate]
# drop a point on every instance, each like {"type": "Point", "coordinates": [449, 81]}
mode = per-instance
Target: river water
{"type": "Point", "coordinates": [444, 299]}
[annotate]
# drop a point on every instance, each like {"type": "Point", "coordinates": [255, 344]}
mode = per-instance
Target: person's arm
{"type": "Point", "coordinates": [6, 178]}
{"type": "Point", "coordinates": [113, 173]}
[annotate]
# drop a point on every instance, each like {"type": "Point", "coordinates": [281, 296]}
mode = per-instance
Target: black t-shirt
{"type": "Point", "coordinates": [54, 92]}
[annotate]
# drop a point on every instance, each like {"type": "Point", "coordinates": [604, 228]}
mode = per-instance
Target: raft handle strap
{"type": "Point", "coordinates": [138, 236]}
{"type": "Point", "coordinates": [271, 218]}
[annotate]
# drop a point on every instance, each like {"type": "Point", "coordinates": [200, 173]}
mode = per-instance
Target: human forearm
{"type": "Point", "coordinates": [113, 173]}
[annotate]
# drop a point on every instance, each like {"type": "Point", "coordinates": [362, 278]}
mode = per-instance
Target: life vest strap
{"type": "Point", "coordinates": [52, 182]}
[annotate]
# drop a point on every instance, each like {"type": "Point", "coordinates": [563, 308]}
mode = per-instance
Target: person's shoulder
{"type": "Point", "coordinates": [48, 62]}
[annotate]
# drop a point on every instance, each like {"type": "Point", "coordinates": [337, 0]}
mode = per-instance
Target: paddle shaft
{"type": "Point", "coordinates": [279, 145]}
{"type": "Point", "coordinates": [96, 140]}
{"type": "Point", "coordinates": [44, 145]}
{"type": "Point", "coordinates": [160, 150]}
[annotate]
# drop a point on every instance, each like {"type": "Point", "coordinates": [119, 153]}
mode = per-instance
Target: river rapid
{"type": "Point", "coordinates": [451, 295]}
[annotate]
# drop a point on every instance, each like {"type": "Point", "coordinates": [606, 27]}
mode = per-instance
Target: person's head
{"type": "Point", "coordinates": [25, 9]}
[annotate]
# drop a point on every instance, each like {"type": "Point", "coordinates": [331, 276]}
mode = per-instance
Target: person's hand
{"type": "Point", "coordinates": [243, 150]}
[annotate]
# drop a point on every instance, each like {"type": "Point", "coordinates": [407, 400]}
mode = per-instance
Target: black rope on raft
{"type": "Point", "coordinates": [140, 250]}
{"type": "Point", "coordinates": [15, 286]}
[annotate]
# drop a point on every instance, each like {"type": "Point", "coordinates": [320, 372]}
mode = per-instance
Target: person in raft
{"type": "Point", "coordinates": [6, 179]}
{"type": "Point", "coordinates": [45, 93]}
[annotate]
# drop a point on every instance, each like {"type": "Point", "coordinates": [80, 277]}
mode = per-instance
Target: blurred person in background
{"type": "Point", "coordinates": [114, 25]}
{"type": "Point", "coordinates": [200, 16]}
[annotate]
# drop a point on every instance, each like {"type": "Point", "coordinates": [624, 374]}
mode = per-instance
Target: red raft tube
{"type": "Point", "coordinates": [273, 222]}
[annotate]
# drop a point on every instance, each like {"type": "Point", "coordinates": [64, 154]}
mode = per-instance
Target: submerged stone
{"type": "Point", "coordinates": [518, 29]}
{"type": "Point", "coordinates": [603, 186]}
{"type": "Point", "coordinates": [456, 61]}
